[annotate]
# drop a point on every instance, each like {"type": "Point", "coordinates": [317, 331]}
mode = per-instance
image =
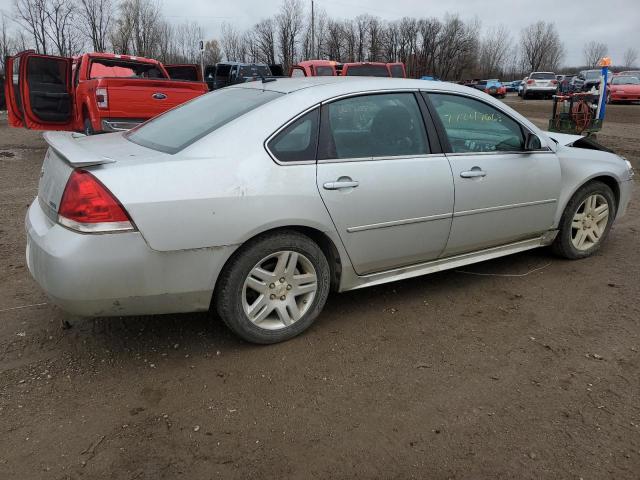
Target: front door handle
{"type": "Point", "coordinates": [475, 172]}
{"type": "Point", "coordinates": [341, 184]}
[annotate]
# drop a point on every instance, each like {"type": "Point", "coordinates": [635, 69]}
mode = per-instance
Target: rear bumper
{"type": "Point", "coordinates": [120, 124]}
{"type": "Point", "coordinates": [534, 89]}
{"type": "Point", "coordinates": [117, 274]}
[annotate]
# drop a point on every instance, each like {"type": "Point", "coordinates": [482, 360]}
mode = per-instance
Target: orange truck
{"type": "Point", "coordinates": [94, 92]}
{"type": "Point", "coordinates": [321, 68]}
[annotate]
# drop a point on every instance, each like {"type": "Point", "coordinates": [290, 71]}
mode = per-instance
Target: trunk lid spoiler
{"type": "Point", "coordinates": [67, 147]}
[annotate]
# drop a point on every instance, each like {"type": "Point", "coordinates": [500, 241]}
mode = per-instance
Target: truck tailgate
{"type": "Point", "coordinates": [144, 98]}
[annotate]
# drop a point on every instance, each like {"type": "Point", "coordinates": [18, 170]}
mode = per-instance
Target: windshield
{"type": "Point", "coordinates": [543, 76]}
{"type": "Point", "coordinates": [115, 68]}
{"type": "Point", "coordinates": [625, 81]}
{"type": "Point", "coordinates": [367, 71]}
{"type": "Point", "coordinates": [592, 74]}
{"type": "Point", "coordinates": [180, 127]}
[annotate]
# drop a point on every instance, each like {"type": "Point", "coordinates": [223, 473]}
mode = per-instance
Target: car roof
{"type": "Point", "coordinates": [345, 85]}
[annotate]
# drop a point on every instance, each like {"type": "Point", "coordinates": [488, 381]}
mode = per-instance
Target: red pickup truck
{"type": "Point", "coordinates": [329, 68]}
{"type": "Point", "coordinates": [95, 92]}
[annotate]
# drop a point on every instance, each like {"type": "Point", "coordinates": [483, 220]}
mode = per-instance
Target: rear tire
{"type": "Point", "coordinates": [273, 288]}
{"type": "Point", "coordinates": [586, 221]}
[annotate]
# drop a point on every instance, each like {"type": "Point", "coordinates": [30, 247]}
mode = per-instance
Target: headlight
{"type": "Point", "coordinates": [629, 168]}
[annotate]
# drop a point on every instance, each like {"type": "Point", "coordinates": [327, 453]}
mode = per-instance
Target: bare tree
{"type": "Point", "coordinates": [593, 52]}
{"type": "Point", "coordinates": [376, 39]}
{"type": "Point", "coordinates": [541, 46]}
{"type": "Point", "coordinates": [98, 18]}
{"type": "Point", "coordinates": [493, 51]}
{"type": "Point", "coordinates": [232, 43]}
{"type": "Point", "coordinates": [289, 22]}
{"type": "Point", "coordinates": [264, 37]}
{"type": "Point", "coordinates": [7, 42]}
{"type": "Point", "coordinates": [61, 21]}
{"type": "Point", "coordinates": [212, 52]}
{"type": "Point", "coordinates": [630, 57]}
{"type": "Point", "coordinates": [32, 15]}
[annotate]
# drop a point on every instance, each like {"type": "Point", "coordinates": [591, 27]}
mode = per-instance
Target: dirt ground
{"type": "Point", "coordinates": [525, 367]}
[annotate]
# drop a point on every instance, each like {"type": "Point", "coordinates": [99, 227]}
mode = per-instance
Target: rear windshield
{"type": "Point", "coordinates": [625, 81]}
{"type": "Point", "coordinates": [543, 76]}
{"type": "Point", "coordinates": [254, 71]}
{"type": "Point", "coordinates": [324, 71]}
{"type": "Point", "coordinates": [397, 71]}
{"type": "Point", "coordinates": [180, 127]}
{"type": "Point", "coordinates": [115, 68]}
{"type": "Point", "coordinates": [367, 71]}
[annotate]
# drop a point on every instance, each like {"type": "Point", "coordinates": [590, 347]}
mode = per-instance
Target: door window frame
{"type": "Point", "coordinates": [444, 138]}
{"type": "Point", "coordinates": [431, 137]}
{"type": "Point", "coordinates": [286, 125]}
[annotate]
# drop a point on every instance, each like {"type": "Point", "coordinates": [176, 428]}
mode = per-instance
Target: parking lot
{"type": "Point", "coordinates": [522, 367]}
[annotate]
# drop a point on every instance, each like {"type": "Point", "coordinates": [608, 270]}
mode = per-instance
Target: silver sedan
{"type": "Point", "coordinates": [257, 200]}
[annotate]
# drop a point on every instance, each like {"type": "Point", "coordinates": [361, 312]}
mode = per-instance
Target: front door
{"type": "Point", "coordinates": [44, 86]}
{"type": "Point", "coordinates": [504, 193]}
{"type": "Point", "coordinates": [389, 197]}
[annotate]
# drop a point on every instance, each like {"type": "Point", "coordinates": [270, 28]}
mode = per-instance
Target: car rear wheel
{"type": "Point", "coordinates": [273, 288]}
{"type": "Point", "coordinates": [586, 221]}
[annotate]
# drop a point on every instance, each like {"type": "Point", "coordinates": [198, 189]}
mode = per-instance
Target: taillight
{"type": "Point", "coordinates": [88, 206]}
{"type": "Point", "coordinates": [554, 82]}
{"type": "Point", "coordinates": [530, 82]}
{"type": "Point", "coordinates": [102, 98]}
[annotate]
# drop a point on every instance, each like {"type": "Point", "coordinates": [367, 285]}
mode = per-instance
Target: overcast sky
{"type": "Point", "coordinates": [614, 22]}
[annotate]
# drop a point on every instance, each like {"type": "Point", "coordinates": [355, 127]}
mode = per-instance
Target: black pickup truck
{"type": "Point", "coordinates": [231, 73]}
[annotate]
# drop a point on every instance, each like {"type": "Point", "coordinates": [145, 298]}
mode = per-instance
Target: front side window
{"type": "Point", "coordinates": [180, 127]}
{"type": "Point", "coordinates": [298, 141]}
{"type": "Point", "coordinates": [397, 71]}
{"type": "Point", "coordinates": [383, 125]}
{"type": "Point", "coordinates": [297, 72]}
{"type": "Point", "coordinates": [474, 126]}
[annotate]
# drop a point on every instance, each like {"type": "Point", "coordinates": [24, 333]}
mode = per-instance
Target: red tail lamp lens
{"type": "Point", "coordinates": [87, 200]}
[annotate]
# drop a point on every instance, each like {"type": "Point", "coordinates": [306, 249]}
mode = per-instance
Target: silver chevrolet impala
{"type": "Point", "coordinates": [256, 200]}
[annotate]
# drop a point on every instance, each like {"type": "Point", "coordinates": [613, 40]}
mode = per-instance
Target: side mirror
{"type": "Point", "coordinates": [532, 142]}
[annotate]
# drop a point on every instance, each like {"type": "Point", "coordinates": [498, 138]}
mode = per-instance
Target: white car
{"type": "Point", "coordinates": [257, 200]}
{"type": "Point", "coordinates": [540, 84]}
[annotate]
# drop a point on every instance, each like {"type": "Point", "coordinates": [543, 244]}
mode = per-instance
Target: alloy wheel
{"type": "Point", "coordinates": [589, 222]}
{"type": "Point", "coordinates": [279, 290]}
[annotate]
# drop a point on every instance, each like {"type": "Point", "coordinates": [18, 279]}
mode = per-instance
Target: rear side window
{"type": "Point", "coordinates": [180, 127]}
{"type": "Point", "coordinates": [297, 142]}
{"type": "Point", "coordinates": [473, 126]}
{"type": "Point", "coordinates": [368, 126]}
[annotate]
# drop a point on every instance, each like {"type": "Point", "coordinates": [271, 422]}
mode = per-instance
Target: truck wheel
{"type": "Point", "coordinates": [274, 287]}
{"type": "Point", "coordinates": [88, 127]}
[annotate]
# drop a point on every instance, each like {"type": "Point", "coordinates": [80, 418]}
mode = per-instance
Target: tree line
{"type": "Point", "coordinates": [448, 47]}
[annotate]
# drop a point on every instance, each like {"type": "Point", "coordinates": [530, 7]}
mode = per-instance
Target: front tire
{"type": "Point", "coordinates": [586, 221]}
{"type": "Point", "coordinates": [273, 288]}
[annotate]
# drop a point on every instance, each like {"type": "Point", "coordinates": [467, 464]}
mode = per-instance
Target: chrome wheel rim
{"type": "Point", "coordinates": [279, 290]}
{"type": "Point", "coordinates": [590, 222]}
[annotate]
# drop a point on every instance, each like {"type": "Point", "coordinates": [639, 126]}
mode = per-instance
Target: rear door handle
{"type": "Point", "coordinates": [341, 184]}
{"type": "Point", "coordinates": [475, 172]}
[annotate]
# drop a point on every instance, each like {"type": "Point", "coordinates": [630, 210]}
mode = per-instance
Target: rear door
{"type": "Point", "coordinates": [388, 191]}
{"type": "Point", "coordinates": [190, 72]}
{"type": "Point", "coordinates": [45, 92]}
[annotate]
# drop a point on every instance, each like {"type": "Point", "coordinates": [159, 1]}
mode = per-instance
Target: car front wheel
{"type": "Point", "coordinates": [586, 221]}
{"type": "Point", "coordinates": [273, 288]}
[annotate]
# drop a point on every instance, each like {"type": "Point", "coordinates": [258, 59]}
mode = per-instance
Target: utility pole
{"type": "Point", "coordinates": [313, 32]}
